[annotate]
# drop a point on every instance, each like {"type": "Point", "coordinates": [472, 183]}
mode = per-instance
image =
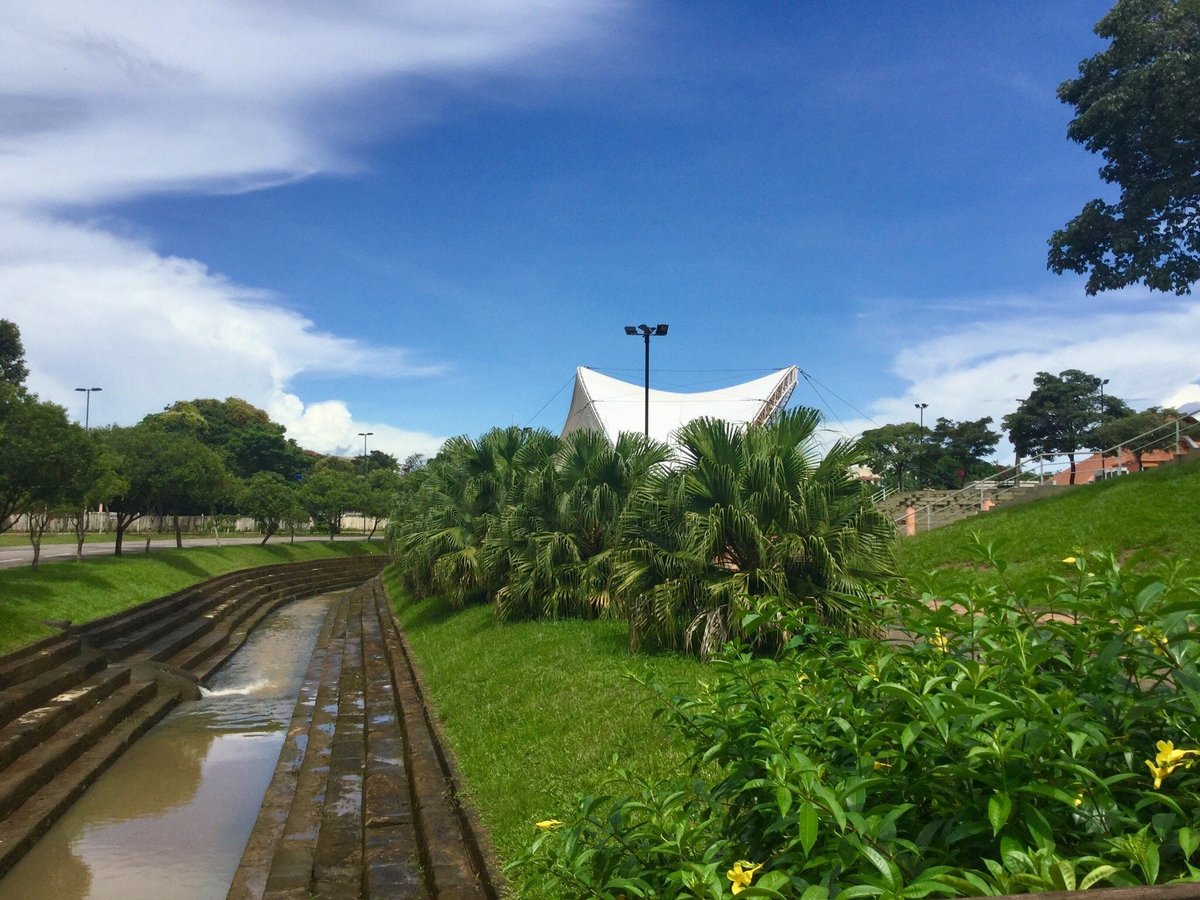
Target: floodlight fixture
{"type": "Point", "coordinates": [646, 332]}
{"type": "Point", "coordinates": [87, 406]}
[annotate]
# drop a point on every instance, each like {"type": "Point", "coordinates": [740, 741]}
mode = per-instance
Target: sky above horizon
{"type": "Point", "coordinates": [418, 219]}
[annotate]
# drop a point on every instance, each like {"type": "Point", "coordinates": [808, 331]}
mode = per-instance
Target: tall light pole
{"type": "Point", "coordinates": [1103, 382]}
{"type": "Point", "coordinates": [87, 407]}
{"type": "Point", "coordinates": [364, 435]}
{"type": "Point", "coordinates": [921, 407]}
{"type": "Point", "coordinates": [646, 331]}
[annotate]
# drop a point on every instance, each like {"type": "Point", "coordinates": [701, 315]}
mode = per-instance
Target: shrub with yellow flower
{"type": "Point", "coordinates": [742, 874]}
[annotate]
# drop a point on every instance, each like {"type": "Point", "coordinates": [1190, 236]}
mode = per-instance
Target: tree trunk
{"type": "Point", "coordinates": [80, 532]}
{"type": "Point", "coordinates": [1071, 457]}
{"type": "Point", "coordinates": [37, 528]}
{"type": "Point", "coordinates": [178, 534]}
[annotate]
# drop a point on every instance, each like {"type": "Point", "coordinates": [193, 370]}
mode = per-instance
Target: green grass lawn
{"type": "Point", "coordinates": [82, 591]}
{"type": "Point", "coordinates": [537, 712]}
{"type": "Point", "coordinates": [1157, 511]}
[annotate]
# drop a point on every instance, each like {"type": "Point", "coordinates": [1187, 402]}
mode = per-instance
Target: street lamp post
{"type": "Point", "coordinates": [921, 407]}
{"type": "Point", "coordinates": [646, 331]}
{"type": "Point", "coordinates": [1103, 382]}
{"type": "Point", "coordinates": [87, 406]}
{"type": "Point", "coordinates": [364, 435]}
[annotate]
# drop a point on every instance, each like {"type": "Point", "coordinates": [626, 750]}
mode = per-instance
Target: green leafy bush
{"type": "Point", "coordinates": [1011, 738]}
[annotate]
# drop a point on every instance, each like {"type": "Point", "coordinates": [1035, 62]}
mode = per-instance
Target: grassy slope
{"type": "Point", "coordinates": [1157, 511]}
{"type": "Point", "coordinates": [537, 711]}
{"type": "Point", "coordinates": [82, 591]}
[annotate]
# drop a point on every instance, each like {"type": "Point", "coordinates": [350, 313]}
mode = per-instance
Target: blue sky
{"type": "Point", "coordinates": [418, 219]}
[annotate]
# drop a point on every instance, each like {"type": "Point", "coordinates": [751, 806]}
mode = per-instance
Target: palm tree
{"type": "Point", "coordinates": [752, 513]}
{"type": "Point", "coordinates": [558, 536]}
{"type": "Point", "coordinates": [461, 495]}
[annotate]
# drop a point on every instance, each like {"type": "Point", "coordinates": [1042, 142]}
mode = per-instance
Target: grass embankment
{"type": "Point", "coordinates": [82, 591]}
{"type": "Point", "coordinates": [1156, 512]}
{"type": "Point", "coordinates": [537, 711]}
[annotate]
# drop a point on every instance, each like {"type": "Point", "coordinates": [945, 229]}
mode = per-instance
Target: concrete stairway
{"type": "Point", "coordinates": [363, 802]}
{"type": "Point", "coordinates": [70, 705]}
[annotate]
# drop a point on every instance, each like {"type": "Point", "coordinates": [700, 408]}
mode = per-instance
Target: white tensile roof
{"type": "Point", "coordinates": [610, 406]}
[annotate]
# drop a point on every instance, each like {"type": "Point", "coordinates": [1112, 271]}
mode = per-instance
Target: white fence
{"type": "Point", "coordinates": [106, 523]}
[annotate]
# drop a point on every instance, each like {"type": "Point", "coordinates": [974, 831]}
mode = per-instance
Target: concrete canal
{"type": "Point", "coordinates": [172, 815]}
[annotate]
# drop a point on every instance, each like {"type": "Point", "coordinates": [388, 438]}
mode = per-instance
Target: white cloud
{"type": "Point", "coordinates": [1144, 343]}
{"type": "Point", "coordinates": [112, 101]}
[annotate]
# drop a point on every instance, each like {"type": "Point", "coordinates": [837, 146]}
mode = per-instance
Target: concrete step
{"type": "Point", "coordinates": [291, 869]}
{"type": "Point", "coordinates": [250, 880]}
{"type": "Point", "coordinates": [19, 699]}
{"type": "Point", "coordinates": [38, 724]}
{"type": "Point", "coordinates": [337, 856]}
{"type": "Point", "coordinates": [22, 828]}
{"type": "Point", "coordinates": [41, 657]}
{"type": "Point", "coordinates": [38, 766]}
{"type": "Point", "coordinates": [451, 856]}
{"type": "Point", "coordinates": [391, 851]}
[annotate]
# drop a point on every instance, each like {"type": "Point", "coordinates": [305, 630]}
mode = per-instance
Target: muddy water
{"type": "Point", "coordinates": [171, 817]}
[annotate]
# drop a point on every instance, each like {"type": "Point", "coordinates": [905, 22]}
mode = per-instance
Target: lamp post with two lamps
{"type": "Point", "coordinates": [1103, 382]}
{"type": "Point", "coordinates": [364, 435]}
{"type": "Point", "coordinates": [647, 332]}
{"type": "Point", "coordinates": [921, 407]}
{"type": "Point", "coordinates": [87, 406]}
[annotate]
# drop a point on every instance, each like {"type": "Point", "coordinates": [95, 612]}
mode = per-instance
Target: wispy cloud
{"type": "Point", "coordinates": [1144, 343]}
{"type": "Point", "coordinates": [107, 102]}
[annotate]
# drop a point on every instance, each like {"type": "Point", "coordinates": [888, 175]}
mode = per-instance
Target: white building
{"type": "Point", "coordinates": [610, 406]}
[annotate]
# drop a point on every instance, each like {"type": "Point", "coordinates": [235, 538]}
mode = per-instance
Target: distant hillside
{"type": "Point", "coordinates": [1157, 511]}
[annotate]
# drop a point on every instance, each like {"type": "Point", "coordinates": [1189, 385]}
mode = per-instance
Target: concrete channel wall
{"type": "Point", "coordinates": [71, 704]}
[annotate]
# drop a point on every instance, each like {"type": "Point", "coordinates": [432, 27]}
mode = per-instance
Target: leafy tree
{"type": "Point", "coordinates": [33, 440]}
{"type": "Point", "coordinates": [1060, 415]}
{"type": "Point", "coordinates": [162, 473]}
{"type": "Point", "coordinates": [1138, 104]}
{"type": "Point", "coordinates": [12, 355]}
{"type": "Point", "coordinates": [379, 493]}
{"type": "Point", "coordinates": [377, 459]}
{"type": "Point", "coordinates": [271, 501]}
{"type": "Point", "coordinates": [242, 433]}
{"type": "Point", "coordinates": [1132, 429]}
{"type": "Point", "coordinates": [330, 492]}
{"type": "Point", "coordinates": [412, 463]}
{"type": "Point", "coordinates": [895, 449]}
{"type": "Point", "coordinates": [962, 448]}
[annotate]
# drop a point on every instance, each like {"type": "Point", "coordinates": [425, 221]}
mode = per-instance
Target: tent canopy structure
{"type": "Point", "coordinates": [610, 406]}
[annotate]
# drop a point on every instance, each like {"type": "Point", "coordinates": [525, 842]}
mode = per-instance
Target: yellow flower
{"type": "Point", "coordinates": [879, 765]}
{"type": "Point", "coordinates": [1168, 756]}
{"type": "Point", "coordinates": [1079, 799]}
{"type": "Point", "coordinates": [548, 823]}
{"type": "Point", "coordinates": [742, 874]}
{"type": "Point", "coordinates": [1070, 560]}
{"type": "Point", "coordinates": [940, 641]}
{"type": "Point", "coordinates": [1160, 772]}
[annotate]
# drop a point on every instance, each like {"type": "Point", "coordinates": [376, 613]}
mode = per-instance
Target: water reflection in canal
{"type": "Point", "coordinates": [171, 817]}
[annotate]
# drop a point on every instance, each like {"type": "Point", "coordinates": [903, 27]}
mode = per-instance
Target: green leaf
{"type": "Point", "coordinates": [1189, 840]}
{"type": "Point", "coordinates": [999, 809]}
{"type": "Point", "coordinates": [806, 824]}
{"type": "Point", "coordinates": [1063, 875]}
{"type": "Point", "coordinates": [909, 734]}
{"type": "Point", "coordinates": [1150, 864]}
{"type": "Point", "coordinates": [814, 892]}
{"type": "Point", "coordinates": [783, 799]}
{"type": "Point", "coordinates": [1097, 874]}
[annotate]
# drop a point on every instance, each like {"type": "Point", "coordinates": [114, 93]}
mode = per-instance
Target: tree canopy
{"type": "Point", "coordinates": [1138, 105]}
{"type": "Point", "coordinates": [1061, 414]}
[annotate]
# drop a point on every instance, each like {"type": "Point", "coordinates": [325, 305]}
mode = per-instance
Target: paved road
{"type": "Point", "coordinates": [12, 557]}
